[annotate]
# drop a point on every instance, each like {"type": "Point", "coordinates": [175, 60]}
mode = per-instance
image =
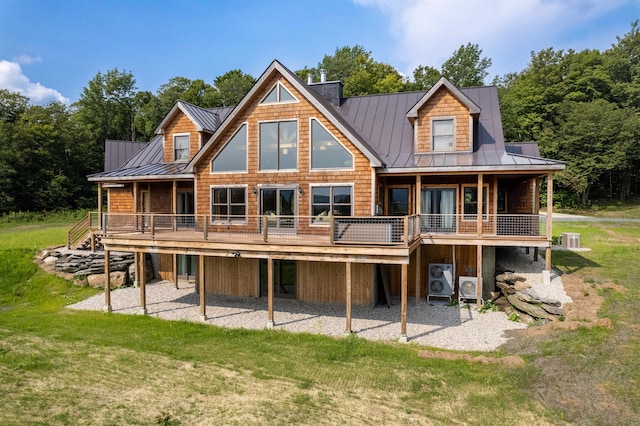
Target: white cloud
{"type": "Point", "coordinates": [26, 59]}
{"type": "Point", "coordinates": [427, 32]}
{"type": "Point", "coordinates": [13, 79]}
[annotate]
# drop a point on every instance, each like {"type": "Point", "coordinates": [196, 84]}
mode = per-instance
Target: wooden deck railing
{"type": "Point", "coordinates": [301, 230]}
{"type": "Point", "coordinates": [521, 225]}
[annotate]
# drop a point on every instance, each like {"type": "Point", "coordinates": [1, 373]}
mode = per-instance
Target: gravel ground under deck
{"type": "Point", "coordinates": [448, 327]}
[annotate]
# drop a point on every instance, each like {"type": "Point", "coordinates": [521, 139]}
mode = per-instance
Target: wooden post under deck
{"type": "Point", "coordinates": [479, 274]}
{"type": "Point", "coordinates": [549, 219]}
{"type": "Point", "coordinates": [203, 293]}
{"type": "Point", "coordinates": [418, 267]}
{"type": "Point", "coordinates": [270, 322]}
{"type": "Point", "coordinates": [143, 282]}
{"type": "Point", "coordinates": [136, 268]}
{"type": "Point", "coordinates": [107, 282]}
{"type": "Point", "coordinates": [175, 269]}
{"type": "Point", "coordinates": [403, 303]}
{"type": "Point", "coordinates": [348, 297]}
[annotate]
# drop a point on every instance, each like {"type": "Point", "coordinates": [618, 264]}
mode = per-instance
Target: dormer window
{"type": "Point", "coordinates": [181, 147]}
{"type": "Point", "coordinates": [443, 134]}
{"type": "Point", "coordinates": [278, 94]}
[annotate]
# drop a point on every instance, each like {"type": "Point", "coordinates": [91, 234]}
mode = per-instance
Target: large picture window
{"type": "Point", "coordinates": [279, 145]}
{"type": "Point", "coordinates": [181, 148]}
{"type": "Point", "coordinates": [326, 151]}
{"type": "Point", "coordinates": [330, 200]}
{"type": "Point", "coordinates": [443, 134]}
{"type": "Point", "coordinates": [233, 156]}
{"type": "Point", "coordinates": [229, 204]}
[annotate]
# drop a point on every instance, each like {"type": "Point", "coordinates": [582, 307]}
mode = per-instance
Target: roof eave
{"type": "Point", "coordinates": [474, 169]}
{"type": "Point", "coordinates": [93, 178]}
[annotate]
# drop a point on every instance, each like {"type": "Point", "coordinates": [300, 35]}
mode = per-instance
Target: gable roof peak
{"type": "Point", "coordinates": [204, 119]}
{"type": "Point", "coordinates": [457, 93]}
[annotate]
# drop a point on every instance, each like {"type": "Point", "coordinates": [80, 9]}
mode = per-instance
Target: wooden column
{"type": "Point", "coordinates": [175, 269]}
{"type": "Point", "coordinates": [136, 268]}
{"type": "Point", "coordinates": [480, 193]}
{"type": "Point", "coordinates": [99, 206]}
{"type": "Point", "coordinates": [549, 230]}
{"type": "Point", "coordinates": [479, 273]}
{"type": "Point", "coordinates": [403, 303]}
{"type": "Point", "coordinates": [418, 208]}
{"type": "Point", "coordinates": [174, 206]}
{"type": "Point", "coordinates": [418, 273]}
{"type": "Point", "coordinates": [203, 292]}
{"type": "Point", "coordinates": [348, 297]}
{"type": "Point", "coordinates": [270, 322]}
{"type": "Point", "coordinates": [494, 205]}
{"type": "Point", "coordinates": [143, 282]}
{"type": "Point", "coordinates": [107, 282]}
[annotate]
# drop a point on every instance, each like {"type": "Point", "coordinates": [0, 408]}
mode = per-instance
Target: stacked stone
{"type": "Point", "coordinates": [525, 299]}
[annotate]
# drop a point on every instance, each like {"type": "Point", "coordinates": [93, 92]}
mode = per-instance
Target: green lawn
{"type": "Point", "coordinates": [68, 367]}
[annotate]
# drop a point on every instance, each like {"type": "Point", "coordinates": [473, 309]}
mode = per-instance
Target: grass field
{"type": "Point", "coordinates": [67, 367]}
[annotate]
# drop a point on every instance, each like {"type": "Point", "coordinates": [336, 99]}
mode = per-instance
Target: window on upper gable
{"type": "Point", "coordinates": [233, 156]}
{"type": "Point", "coordinates": [278, 145]}
{"type": "Point", "coordinates": [278, 94]}
{"type": "Point", "coordinates": [326, 151]}
{"type": "Point", "coordinates": [181, 147]}
{"type": "Point", "coordinates": [443, 134]}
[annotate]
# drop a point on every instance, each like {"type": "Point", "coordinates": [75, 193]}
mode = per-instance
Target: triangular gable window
{"type": "Point", "coordinates": [278, 94]}
{"type": "Point", "coordinates": [233, 156]}
{"type": "Point", "coordinates": [326, 151]}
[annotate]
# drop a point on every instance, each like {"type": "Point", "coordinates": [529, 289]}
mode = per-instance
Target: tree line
{"type": "Point", "coordinates": [582, 108]}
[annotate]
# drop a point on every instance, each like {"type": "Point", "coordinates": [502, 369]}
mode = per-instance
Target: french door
{"type": "Point", "coordinates": [279, 205]}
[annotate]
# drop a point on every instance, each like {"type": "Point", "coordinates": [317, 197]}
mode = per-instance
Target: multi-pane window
{"type": "Point", "coordinates": [233, 157]}
{"type": "Point", "coordinates": [443, 136]}
{"type": "Point", "coordinates": [181, 148]}
{"type": "Point", "coordinates": [326, 151]}
{"type": "Point", "coordinates": [279, 145]}
{"type": "Point", "coordinates": [470, 195]}
{"type": "Point", "coordinates": [278, 94]}
{"type": "Point", "coordinates": [229, 204]}
{"type": "Point", "coordinates": [331, 200]}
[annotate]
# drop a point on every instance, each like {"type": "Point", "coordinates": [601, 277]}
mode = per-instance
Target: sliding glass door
{"type": "Point", "coordinates": [438, 208]}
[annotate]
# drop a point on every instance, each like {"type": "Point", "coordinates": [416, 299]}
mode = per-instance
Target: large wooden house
{"type": "Point", "coordinates": [302, 193]}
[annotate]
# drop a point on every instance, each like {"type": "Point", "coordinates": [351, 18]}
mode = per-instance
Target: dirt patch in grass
{"type": "Point", "coordinates": [507, 361]}
{"type": "Point", "coordinates": [615, 237]}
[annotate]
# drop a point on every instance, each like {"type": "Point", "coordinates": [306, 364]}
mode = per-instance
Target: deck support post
{"type": "Point", "coordinates": [270, 322]}
{"type": "Point", "coordinates": [418, 271]}
{"type": "Point", "coordinates": [143, 282]}
{"type": "Point", "coordinates": [479, 274]}
{"type": "Point", "coordinates": [136, 270]}
{"type": "Point", "coordinates": [348, 275]}
{"type": "Point", "coordinates": [546, 274]}
{"type": "Point", "coordinates": [174, 259]}
{"type": "Point", "coordinates": [203, 293]}
{"type": "Point", "coordinates": [403, 303]}
{"type": "Point", "coordinates": [107, 282]}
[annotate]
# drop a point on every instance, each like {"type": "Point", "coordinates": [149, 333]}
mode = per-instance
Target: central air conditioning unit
{"type": "Point", "coordinates": [440, 280]}
{"type": "Point", "coordinates": [467, 288]}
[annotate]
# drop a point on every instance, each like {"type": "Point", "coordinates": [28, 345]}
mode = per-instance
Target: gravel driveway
{"type": "Point", "coordinates": [448, 327]}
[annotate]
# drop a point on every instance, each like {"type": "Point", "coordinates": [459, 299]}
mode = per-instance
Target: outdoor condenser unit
{"type": "Point", "coordinates": [570, 240]}
{"type": "Point", "coordinates": [440, 280]}
{"type": "Point", "coordinates": [467, 288]}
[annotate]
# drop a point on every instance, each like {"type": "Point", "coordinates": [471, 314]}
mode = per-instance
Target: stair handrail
{"type": "Point", "coordinates": [79, 231]}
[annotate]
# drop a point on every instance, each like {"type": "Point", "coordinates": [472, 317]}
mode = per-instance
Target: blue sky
{"type": "Point", "coordinates": [49, 50]}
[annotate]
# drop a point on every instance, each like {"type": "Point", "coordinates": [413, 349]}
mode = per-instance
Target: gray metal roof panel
{"type": "Point", "coordinates": [524, 148]}
{"type": "Point", "coordinates": [152, 153]}
{"type": "Point", "coordinates": [116, 153]}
